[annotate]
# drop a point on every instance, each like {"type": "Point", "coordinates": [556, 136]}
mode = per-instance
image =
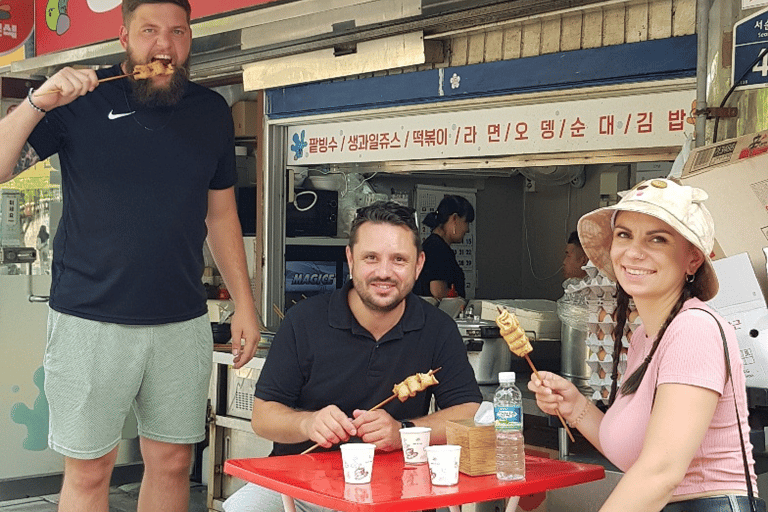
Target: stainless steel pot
{"type": "Point", "coordinates": [487, 351]}
{"type": "Point", "coordinates": [574, 353]}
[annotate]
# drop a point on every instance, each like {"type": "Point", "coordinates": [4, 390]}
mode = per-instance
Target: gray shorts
{"type": "Point", "coordinates": [95, 371]}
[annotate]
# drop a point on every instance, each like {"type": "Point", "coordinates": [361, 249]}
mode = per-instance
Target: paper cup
{"type": "Point", "coordinates": [357, 459]}
{"type": "Point", "coordinates": [415, 441]}
{"type": "Point", "coordinates": [444, 463]}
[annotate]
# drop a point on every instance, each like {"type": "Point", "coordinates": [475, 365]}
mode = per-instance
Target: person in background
{"type": "Point", "coordinates": [148, 168]}
{"type": "Point", "coordinates": [449, 223]}
{"type": "Point", "coordinates": [383, 333]}
{"type": "Point", "coordinates": [575, 258]}
{"type": "Point", "coordinates": [43, 249]}
{"type": "Point", "coordinates": [672, 424]}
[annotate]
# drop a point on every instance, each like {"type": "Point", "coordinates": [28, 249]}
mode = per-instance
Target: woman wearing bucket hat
{"type": "Point", "coordinates": [677, 424]}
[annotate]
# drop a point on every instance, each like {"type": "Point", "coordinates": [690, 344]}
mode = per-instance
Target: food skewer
{"type": "Point", "coordinates": [403, 390]}
{"type": "Point", "coordinates": [140, 72]}
{"type": "Point", "coordinates": [520, 345]}
{"type": "Point", "coordinates": [277, 311]}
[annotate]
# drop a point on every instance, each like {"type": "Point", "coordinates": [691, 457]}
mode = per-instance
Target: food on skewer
{"type": "Point", "coordinates": [140, 72]}
{"type": "Point", "coordinates": [513, 334]}
{"type": "Point", "coordinates": [154, 68]}
{"type": "Point", "coordinates": [409, 387]}
{"type": "Point", "coordinates": [413, 384]}
{"type": "Point", "coordinates": [519, 344]}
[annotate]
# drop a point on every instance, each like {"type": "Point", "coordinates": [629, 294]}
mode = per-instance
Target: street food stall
{"type": "Point", "coordinates": [408, 102]}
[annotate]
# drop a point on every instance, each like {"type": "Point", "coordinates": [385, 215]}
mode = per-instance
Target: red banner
{"type": "Point", "coordinates": [65, 24]}
{"type": "Point", "coordinates": [16, 24]}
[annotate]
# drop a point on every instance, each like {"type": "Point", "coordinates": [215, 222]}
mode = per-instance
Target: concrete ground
{"type": "Point", "coordinates": [122, 498]}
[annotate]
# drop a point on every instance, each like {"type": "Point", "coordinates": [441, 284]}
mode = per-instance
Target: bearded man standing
{"type": "Point", "coordinates": [148, 170]}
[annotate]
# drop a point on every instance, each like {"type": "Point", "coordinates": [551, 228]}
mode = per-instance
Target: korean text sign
{"type": "Point", "coordinates": [640, 121]}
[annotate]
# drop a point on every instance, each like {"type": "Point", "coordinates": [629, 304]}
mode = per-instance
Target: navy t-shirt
{"type": "Point", "coordinates": [135, 182]}
{"type": "Point", "coordinates": [321, 355]}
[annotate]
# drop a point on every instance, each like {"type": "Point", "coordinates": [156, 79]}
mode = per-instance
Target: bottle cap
{"type": "Point", "coordinates": [506, 376]}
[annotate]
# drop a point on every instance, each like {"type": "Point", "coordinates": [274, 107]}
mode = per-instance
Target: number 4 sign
{"type": "Point", "coordinates": [750, 51]}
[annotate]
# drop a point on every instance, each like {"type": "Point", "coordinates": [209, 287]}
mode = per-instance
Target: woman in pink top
{"type": "Point", "coordinates": [671, 425]}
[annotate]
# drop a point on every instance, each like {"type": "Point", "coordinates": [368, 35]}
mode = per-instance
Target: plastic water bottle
{"type": "Point", "coordinates": [508, 412]}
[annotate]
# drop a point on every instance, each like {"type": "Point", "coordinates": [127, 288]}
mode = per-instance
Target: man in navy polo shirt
{"type": "Point", "coordinates": [337, 355]}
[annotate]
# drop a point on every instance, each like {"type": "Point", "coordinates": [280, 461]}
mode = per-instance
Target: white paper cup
{"type": "Point", "coordinates": [444, 463]}
{"type": "Point", "coordinates": [357, 459]}
{"type": "Point", "coordinates": [415, 441]}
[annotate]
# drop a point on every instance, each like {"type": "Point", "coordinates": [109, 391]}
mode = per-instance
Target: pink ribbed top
{"type": "Point", "coordinates": [691, 352]}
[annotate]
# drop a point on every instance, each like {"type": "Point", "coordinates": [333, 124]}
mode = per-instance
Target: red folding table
{"type": "Point", "coordinates": [318, 478]}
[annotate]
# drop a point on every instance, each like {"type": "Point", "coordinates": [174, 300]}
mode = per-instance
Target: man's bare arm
{"type": "Point", "coordinates": [15, 128]}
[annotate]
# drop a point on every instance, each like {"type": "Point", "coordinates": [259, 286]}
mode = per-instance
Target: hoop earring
{"type": "Point", "coordinates": [689, 278]}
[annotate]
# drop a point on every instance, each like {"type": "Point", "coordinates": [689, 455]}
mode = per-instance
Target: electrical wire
{"type": "Point", "coordinates": [733, 88]}
{"type": "Point", "coordinates": [528, 246]}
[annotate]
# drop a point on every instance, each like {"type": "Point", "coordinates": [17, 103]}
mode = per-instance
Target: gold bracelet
{"type": "Point", "coordinates": [575, 423]}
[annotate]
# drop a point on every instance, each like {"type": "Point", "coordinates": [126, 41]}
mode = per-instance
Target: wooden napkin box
{"type": "Point", "coordinates": [478, 446]}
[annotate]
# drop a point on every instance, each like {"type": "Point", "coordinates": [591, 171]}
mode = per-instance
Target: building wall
{"type": "Point", "coordinates": [610, 24]}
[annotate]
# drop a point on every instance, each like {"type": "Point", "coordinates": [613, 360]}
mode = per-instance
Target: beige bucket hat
{"type": "Point", "coordinates": [680, 206]}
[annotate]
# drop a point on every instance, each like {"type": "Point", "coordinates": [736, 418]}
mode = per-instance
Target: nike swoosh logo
{"type": "Point", "coordinates": [111, 115]}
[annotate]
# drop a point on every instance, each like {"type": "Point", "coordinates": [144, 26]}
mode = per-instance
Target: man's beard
{"type": "Point", "coordinates": [367, 298]}
{"type": "Point", "coordinates": [146, 93]}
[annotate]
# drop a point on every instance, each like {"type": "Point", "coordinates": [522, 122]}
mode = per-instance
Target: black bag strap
{"type": "Point", "coordinates": [728, 376]}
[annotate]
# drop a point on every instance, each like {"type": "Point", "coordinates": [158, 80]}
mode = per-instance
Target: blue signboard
{"type": "Point", "coordinates": [750, 38]}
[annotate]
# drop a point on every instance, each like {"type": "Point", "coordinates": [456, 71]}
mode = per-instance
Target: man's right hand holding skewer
{"type": "Point", "coordinates": [328, 426]}
{"type": "Point", "coordinates": [64, 87]}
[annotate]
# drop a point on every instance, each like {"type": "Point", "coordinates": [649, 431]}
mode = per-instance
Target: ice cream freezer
{"type": "Point", "coordinates": [27, 466]}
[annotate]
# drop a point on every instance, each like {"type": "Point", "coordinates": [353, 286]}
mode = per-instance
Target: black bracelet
{"type": "Point", "coordinates": [29, 98]}
{"type": "Point", "coordinates": [406, 424]}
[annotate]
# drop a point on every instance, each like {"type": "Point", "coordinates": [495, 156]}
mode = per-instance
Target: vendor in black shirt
{"type": "Point", "coordinates": [449, 223]}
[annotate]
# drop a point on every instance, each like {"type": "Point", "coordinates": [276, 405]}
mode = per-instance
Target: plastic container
{"type": "Point", "coordinates": [508, 412]}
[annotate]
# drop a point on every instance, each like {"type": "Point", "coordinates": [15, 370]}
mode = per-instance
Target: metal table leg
{"type": "Point", "coordinates": [512, 503]}
{"type": "Point", "coordinates": [563, 443]}
{"type": "Point", "coordinates": [288, 503]}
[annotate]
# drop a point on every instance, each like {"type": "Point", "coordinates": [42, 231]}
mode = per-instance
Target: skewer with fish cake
{"type": "Point", "coordinates": [520, 345]}
{"type": "Point", "coordinates": [402, 390]}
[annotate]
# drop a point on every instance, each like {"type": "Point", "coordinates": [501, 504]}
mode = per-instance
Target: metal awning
{"type": "Point", "coordinates": [222, 46]}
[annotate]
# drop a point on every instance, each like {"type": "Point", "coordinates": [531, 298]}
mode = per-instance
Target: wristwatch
{"type": "Point", "coordinates": [407, 424]}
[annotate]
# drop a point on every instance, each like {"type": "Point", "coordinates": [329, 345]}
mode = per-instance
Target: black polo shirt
{"type": "Point", "coordinates": [321, 355]}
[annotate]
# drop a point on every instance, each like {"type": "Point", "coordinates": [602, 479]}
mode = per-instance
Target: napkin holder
{"type": "Point", "coordinates": [478, 446]}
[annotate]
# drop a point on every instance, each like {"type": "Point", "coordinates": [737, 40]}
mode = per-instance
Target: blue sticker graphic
{"type": "Point", "coordinates": [298, 145]}
{"type": "Point", "coordinates": [35, 419]}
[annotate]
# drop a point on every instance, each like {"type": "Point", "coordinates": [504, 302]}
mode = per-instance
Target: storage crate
{"type": "Point", "coordinates": [241, 384]}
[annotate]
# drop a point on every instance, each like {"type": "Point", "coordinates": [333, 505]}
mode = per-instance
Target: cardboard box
{"type": "Point", "coordinates": [478, 446]}
{"type": "Point", "coordinates": [247, 116]}
{"type": "Point", "coordinates": [733, 173]}
{"type": "Point", "coordinates": [741, 303]}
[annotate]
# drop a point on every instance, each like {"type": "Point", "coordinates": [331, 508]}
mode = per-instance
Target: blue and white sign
{"type": "Point", "coordinates": [750, 39]}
